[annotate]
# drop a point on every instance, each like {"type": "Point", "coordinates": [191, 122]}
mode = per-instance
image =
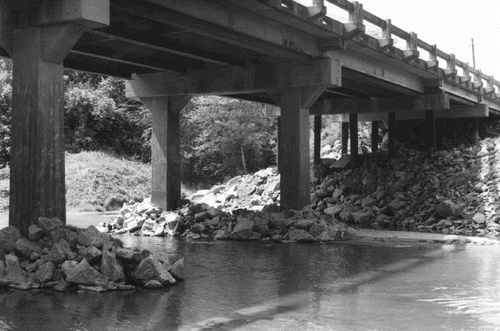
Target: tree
{"type": "Point", "coordinates": [224, 137]}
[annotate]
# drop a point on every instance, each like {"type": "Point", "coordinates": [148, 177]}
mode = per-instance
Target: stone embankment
{"type": "Point", "coordinates": [65, 257]}
{"type": "Point", "coordinates": [448, 192]}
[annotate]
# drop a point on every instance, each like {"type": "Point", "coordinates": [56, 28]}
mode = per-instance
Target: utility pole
{"type": "Point", "coordinates": [473, 54]}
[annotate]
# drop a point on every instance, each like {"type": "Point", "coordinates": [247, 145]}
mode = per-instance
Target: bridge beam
{"type": "Point", "coordinates": [375, 105]}
{"type": "Point", "coordinates": [38, 36]}
{"type": "Point", "coordinates": [237, 80]}
{"type": "Point", "coordinates": [165, 149]}
{"type": "Point", "coordinates": [455, 111]}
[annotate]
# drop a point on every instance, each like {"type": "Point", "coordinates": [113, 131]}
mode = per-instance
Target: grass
{"type": "Point", "coordinates": [96, 181]}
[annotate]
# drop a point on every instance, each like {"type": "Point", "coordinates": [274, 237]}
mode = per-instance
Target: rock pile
{"type": "Point", "coordinates": [450, 192]}
{"type": "Point", "coordinates": [65, 257]}
{"type": "Point", "coordinates": [258, 191]}
{"type": "Point", "coordinates": [200, 221]}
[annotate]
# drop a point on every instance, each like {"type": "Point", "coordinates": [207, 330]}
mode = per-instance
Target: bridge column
{"type": "Point", "coordinates": [441, 134]}
{"type": "Point", "coordinates": [165, 149]}
{"type": "Point", "coordinates": [38, 38]}
{"type": "Point", "coordinates": [475, 131]}
{"type": "Point", "coordinates": [294, 158]}
{"type": "Point", "coordinates": [317, 139]}
{"type": "Point", "coordinates": [430, 126]}
{"type": "Point", "coordinates": [374, 137]}
{"type": "Point", "coordinates": [345, 137]}
{"type": "Point", "coordinates": [353, 130]}
{"type": "Point", "coordinates": [392, 133]}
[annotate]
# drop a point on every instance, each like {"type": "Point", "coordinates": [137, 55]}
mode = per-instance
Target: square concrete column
{"type": "Point", "coordinates": [38, 37]}
{"type": "Point", "coordinates": [165, 150]}
{"type": "Point", "coordinates": [294, 159]}
{"type": "Point", "coordinates": [37, 158]}
{"type": "Point", "coordinates": [345, 137]}
{"type": "Point", "coordinates": [353, 130]}
{"type": "Point", "coordinates": [317, 139]}
{"type": "Point", "coordinates": [375, 126]}
{"type": "Point", "coordinates": [392, 133]}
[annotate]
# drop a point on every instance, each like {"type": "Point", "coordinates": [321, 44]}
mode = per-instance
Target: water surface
{"type": "Point", "coordinates": [269, 286]}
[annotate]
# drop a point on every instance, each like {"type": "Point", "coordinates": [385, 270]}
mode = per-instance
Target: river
{"type": "Point", "coordinates": [288, 286]}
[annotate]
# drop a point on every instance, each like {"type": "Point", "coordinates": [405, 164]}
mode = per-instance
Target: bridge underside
{"type": "Point", "coordinates": [270, 51]}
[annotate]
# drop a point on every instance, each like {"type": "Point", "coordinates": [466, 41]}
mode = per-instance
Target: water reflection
{"type": "Point", "coordinates": [255, 285]}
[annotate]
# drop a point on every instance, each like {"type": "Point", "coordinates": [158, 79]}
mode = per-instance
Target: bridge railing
{"type": "Point", "coordinates": [470, 77]}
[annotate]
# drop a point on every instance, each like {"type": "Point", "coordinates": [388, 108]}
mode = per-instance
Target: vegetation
{"type": "Point", "coordinates": [96, 181]}
{"type": "Point", "coordinates": [224, 137]}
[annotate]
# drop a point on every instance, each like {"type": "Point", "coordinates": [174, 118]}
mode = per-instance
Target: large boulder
{"type": "Point", "coordinates": [91, 237]}
{"type": "Point", "coordinates": [177, 270]}
{"type": "Point", "coordinates": [8, 238]}
{"type": "Point", "coordinates": [91, 254]}
{"type": "Point", "coordinates": [45, 272]}
{"type": "Point", "coordinates": [84, 274]}
{"type": "Point", "coordinates": [27, 247]}
{"type": "Point", "coordinates": [243, 228]}
{"type": "Point", "coordinates": [300, 235]}
{"type": "Point", "coordinates": [56, 254]}
{"type": "Point", "coordinates": [111, 268]}
{"type": "Point", "coordinates": [132, 255]}
{"type": "Point", "coordinates": [445, 209]}
{"type": "Point", "coordinates": [13, 272]}
{"type": "Point", "coordinates": [152, 269]}
{"type": "Point", "coordinates": [48, 224]}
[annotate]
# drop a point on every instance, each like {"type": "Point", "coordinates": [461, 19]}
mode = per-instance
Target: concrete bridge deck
{"type": "Point", "coordinates": [278, 52]}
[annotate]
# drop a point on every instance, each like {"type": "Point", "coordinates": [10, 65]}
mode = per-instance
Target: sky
{"type": "Point", "coordinates": [449, 24]}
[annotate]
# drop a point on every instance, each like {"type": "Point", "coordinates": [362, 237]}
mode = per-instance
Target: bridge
{"type": "Point", "coordinates": [292, 57]}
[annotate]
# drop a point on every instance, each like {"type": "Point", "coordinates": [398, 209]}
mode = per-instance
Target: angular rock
{"type": "Point", "coordinates": [300, 235]}
{"type": "Point", "coordinates": [446, 209]}
{"type": "Point", "coordinates": [48, 224]}
{"type": "Point", "coordinates": [177, 270]}
{"type": "Point", "coordinates": [243, 228]}
{"type": "Point", "coordinates": [134, 256]}
{"type": "Point", "coordinates": [316, 229]}
{"type": "Point", "coordinates": [337, 193]}
{"type": "Point", "coordinates": [334, 211]}
{"type": "Point", "coordinates": [153, 284]}
{"type": "Point", "coordinates": [56, 255]}
{"type": "Point", "coordinates": [84, 274]}
{"type": "Point", "coordinates": [63, 233]}
{"type": "Point", "coordinates": [364, 216]}
{"type": "Point", "coordinates": [149, 227]}
{"type": "Point", "coordinates": [91, 237]}
{"type": "Point", "coordinates": [222, 234]}
{"type": "Point", "coordinates": [62, 286]}
{"type": "Point", "coordinates": [98, 289]}
{"type": "Point", "coordinates": [111, 268]}
{"type": "Point", "coordinates": [13, 272]}
{"type": "Point", "coordinates": [397, 204]}
{"type": "Point", "coordinates": [198, 228]}
{"type": "Point", "coordinates": [26, 247]}
{"type": "Point", "coordinates": [92, 254]}
{"type": "Point", "coordinates": [263, 230]}
{"type": "Point", "coordinates": [479, 218]}
{"type": "Point", "coordinates": [45, 272]}
{"type": "Point", "coordinates": [304, 224]}
{"type": "Point", "coordinates": [368, 202]}
{"type": "Point", "coordinates": [68, 266]}
{"type": "Point", "coordinates": [151, 269]}
{"type": "Point", "coordinates": [34, 232]}
{"type": "Point", "coordinates": [8, 238]}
